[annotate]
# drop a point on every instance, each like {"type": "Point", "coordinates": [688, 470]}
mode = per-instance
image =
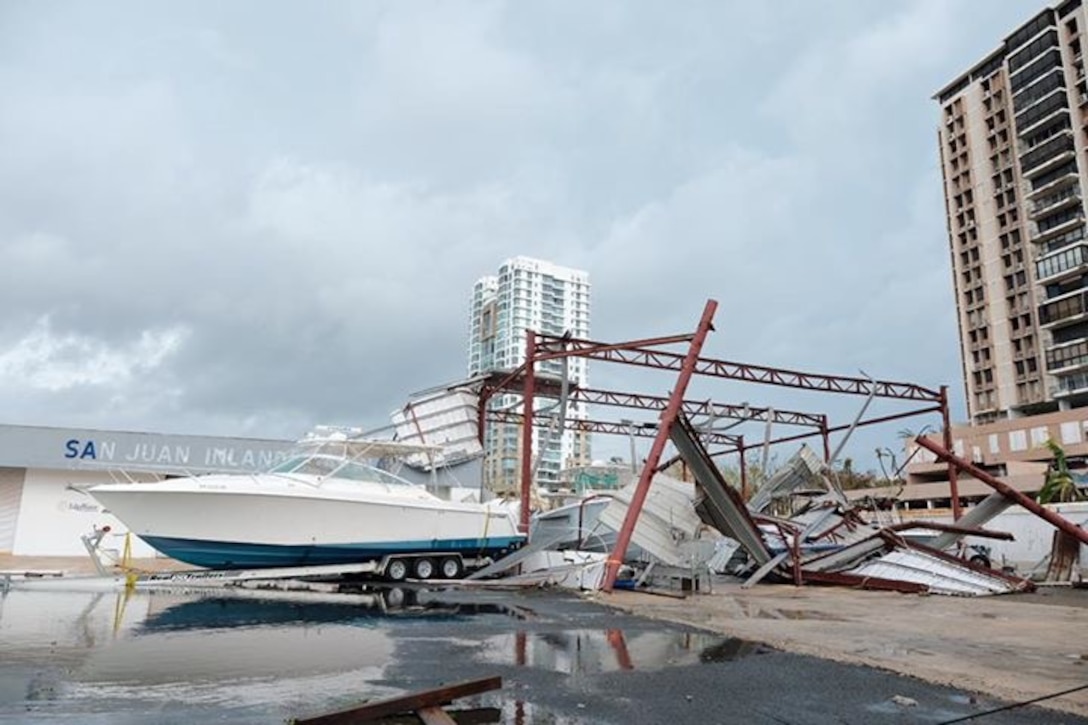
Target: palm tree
{"type": "Point", "coordinates": [1059, 486]}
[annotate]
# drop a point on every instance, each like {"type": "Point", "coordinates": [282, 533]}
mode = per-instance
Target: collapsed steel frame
{"type": "Point", "coordinates": [648, 353]}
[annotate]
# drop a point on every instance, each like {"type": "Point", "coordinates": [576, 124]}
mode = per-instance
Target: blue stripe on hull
{"type": "Point", "coordinates": [234, 555]}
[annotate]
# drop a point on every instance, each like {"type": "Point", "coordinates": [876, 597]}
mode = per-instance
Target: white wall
{"type": "Point", "coordinates": [53, 517]}
{"type": "Point", "coordinates": [1032, 535]}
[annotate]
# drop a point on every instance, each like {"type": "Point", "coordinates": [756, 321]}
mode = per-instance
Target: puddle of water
{"type": "Point", "coordinates": [254, 655]}
{"type": "Point", "coordinates": [362, 608]}
{"type": "Point", "coordinates": [591, 651]}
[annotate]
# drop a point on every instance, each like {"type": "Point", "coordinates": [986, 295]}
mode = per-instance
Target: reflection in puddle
{"type": "Point", "coordinates": [269, 651]}
{"type": "Point", "coordinates": [263, 656]}
{"type": "Point", "coordinates": [274, 608]}
{"type": "Point", "coordinates": [591, 651]}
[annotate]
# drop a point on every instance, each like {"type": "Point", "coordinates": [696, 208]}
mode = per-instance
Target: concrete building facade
{"type": "Point", "coordinates": [1013, 138]}
{"type": "Point", "coordinates": [528, 294]}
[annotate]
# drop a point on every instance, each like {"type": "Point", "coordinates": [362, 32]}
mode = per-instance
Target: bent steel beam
{"type": "Point", "coordinates": [668, 416]}
{"type": "Point", "coordinates": [1059, 522]}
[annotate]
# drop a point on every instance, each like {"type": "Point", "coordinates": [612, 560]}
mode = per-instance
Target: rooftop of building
{"type": "Point", "coordinates": [985, 67]}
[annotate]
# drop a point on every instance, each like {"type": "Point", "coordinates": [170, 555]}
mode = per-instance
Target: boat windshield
{"type": "Point", "coordinates": [333, 466]}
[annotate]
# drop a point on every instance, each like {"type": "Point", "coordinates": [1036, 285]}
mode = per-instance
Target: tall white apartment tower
{"type": "Point", "coordinates": [528, 294]}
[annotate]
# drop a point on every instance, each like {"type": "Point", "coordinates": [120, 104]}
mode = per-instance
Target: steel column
{"type": "Point", "coordinates": [1058, 522]}
{"type": "Point", "coordinates": [953, 482]}
{"type": "Point", "coordinates": [743, 472]}
{"type": "Point", "coordinates": [527, 429]}
{"type": "Point", "coordinates": [825, 435]}
{"type": "Point", "coordinates": [668, 416]}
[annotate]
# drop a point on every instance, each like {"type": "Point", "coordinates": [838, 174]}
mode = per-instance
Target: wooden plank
{"type": "Point", "coordinates": [435, 716]}
{"type": "Point", "coordinates": [406, 703]}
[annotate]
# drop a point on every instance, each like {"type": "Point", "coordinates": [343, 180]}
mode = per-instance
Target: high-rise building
{"type": "Point", "coordinates": [529, 294]}
{"type": "Point", "coordinates": [1013, 140]}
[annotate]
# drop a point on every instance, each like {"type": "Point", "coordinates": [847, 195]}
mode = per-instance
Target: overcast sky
{"type": "Point", "coordinates": [246, 218]}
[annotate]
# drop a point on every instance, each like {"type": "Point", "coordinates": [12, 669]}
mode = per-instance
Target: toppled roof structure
{"type": "Point", "coordinates": [799, 526]}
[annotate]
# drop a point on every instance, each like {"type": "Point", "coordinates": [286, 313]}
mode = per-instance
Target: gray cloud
{"type": "Point", "coordinates": [252, 217]}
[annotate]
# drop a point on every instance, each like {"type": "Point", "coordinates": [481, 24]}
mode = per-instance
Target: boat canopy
{"type": "Point", "coordinates": [335, 445]}
{"type": "Point", "coordinates": [327, 466]}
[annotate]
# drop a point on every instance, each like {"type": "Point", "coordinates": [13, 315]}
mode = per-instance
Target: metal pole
{"type": "Point", "coordinates": [766, 443]}
{"type": "Point", "coordinates": [1060, 523]}
{"type": "Point", "coordinates": [481, 414]}
{"type": "Point", "coordinates": [743, 472]}
{"type": "Point", "coordinates": [854, 425]}
{"type": "Point", "coordinates": [825, 434]}
{"type": "Point", "coordinates": [528, 396]}
{"type": "Point", "coordinates": [953, 476]}
{"type": "Point", "coordinates": [481, 434]}
{"type": "Point", "coordinates": [668, 416]}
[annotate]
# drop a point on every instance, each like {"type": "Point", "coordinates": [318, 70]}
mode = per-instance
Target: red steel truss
{"type": "Point", "coordinates": [638, 430]}
{"type": "Point", "coordinates": [697, 407]}
{"type": "Point", "coordinates": [541, 347]}
{"type": "Point", "coordinates": [633, 354]}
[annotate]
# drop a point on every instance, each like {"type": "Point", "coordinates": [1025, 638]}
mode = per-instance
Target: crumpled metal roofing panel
{"type": "Point", "coordinates": [801, 471]}
{"type": "Point", "coordinates": [942, 577]}
{"type": "Point", "coordinates": [667, 520]}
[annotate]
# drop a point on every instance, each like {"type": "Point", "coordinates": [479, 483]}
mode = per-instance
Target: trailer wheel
{"type": "Point", "coordinates": [394, 598]}
{"type": "Point", "coordinates": [396, 570]}
{"type": "Point", "coordinates": [981, 561]}
{"type": "Point", "coordinates": [424, 568]}
{"type": "Point", "coordinates": [451, 567]}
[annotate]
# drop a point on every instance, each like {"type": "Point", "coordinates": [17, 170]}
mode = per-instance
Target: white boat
{"type": "Point", "coordinates": [321, 506]}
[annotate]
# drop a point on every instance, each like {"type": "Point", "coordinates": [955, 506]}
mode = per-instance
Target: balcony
{"type": "Point", "coordinates": [1053, 180]}
{"type": "Point", "coordinates": [1064, 310]}
{"type": "Point", "coordinates": [1070, 385]}
{"type": "Point", "coordinates": [1063, 263]}
{"type": "Point", "coordinates": [1038, 90]}
{"type": "Point", "coordinates": [1029, 73]}
{"type": "Point", "coordinates": [1068, 239]}
{"type": "Point", "coordinates": [1047, 155]}
{"type": "Point", "coordinates": [1057, 224]}
{"type": "Point", "coordinates": [1055, 201]}
{"type": "Point", "coordinates": [1067, 359]}
{"type": "Point", "coordinates": [1042, 111]}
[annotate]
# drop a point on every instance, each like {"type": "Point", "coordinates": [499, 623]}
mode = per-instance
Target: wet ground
{"type": "Point", "coordinates": [167, 657]}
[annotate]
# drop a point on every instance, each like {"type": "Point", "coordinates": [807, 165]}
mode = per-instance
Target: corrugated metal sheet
{"type": "Point", "coordinates": [447, 418]}
{"type": "Point", "coordinates": [942, 577]}
{"type": "Point", "coordinates": [801, 471]}
{"type": "Point", "coordinates": [722, 506]}
{"type": "Point", "coordinates": [668, 518]}
{"type": "Point", "coordinates": [11, 494]}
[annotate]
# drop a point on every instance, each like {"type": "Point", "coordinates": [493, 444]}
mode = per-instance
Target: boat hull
{"type": "Point", "coordinates": [232, 554]}
{"type": "Point", "coordinates": [233, 522]}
